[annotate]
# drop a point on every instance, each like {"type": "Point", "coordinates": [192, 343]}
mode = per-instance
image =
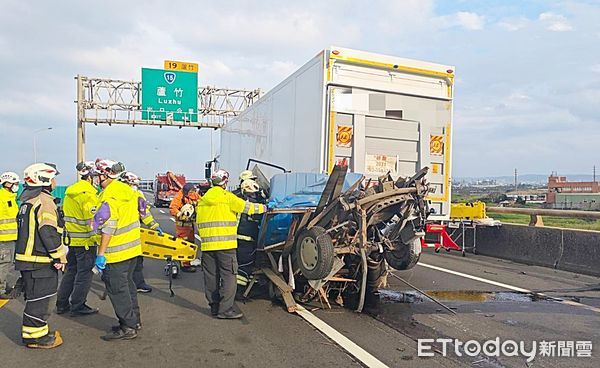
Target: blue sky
{"type": "Point", "coordinates": [527, 89]}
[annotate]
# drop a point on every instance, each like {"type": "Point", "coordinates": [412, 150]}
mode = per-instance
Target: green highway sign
{"type": "Point", "coordinates": [169, 93]}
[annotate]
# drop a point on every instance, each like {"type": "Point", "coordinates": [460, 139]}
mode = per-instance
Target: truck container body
{"type": "Point", "coordinates": [373, 112]}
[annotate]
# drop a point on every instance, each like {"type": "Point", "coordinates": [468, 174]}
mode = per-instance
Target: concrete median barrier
{"type": "Point", "coordinates": [563, 249]}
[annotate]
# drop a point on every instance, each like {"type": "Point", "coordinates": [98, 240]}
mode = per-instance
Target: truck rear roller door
{"type": "Point", "coordinates": [389, 141]}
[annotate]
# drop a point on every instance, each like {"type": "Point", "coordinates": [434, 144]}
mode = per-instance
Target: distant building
{"type": "Point", "coordinates": [559, 184]}
{"type": "Point", "coordinates": [529, 196]}
{"type": "Point", "coordinates": [577, 201]}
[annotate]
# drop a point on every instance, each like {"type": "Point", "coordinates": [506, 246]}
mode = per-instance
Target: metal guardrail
{"type": "Point", "coordinates": [537, 213]}
{"type": "Point", "coordinates": [146, 185]}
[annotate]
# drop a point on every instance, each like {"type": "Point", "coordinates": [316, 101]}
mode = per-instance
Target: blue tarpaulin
{"type": "Point", "coordinates": [293, 190]}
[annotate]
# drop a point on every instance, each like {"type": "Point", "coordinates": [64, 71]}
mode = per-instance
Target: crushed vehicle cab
{"type": "Point", "coordinates": [331, 236]}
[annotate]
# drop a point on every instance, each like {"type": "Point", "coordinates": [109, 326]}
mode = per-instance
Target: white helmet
{"type": "Point", "coordinates": [40, 174]}
{"type": "Point", "coordinates": [9, 177]}
{"type": "Point", "coordinates": [187, 210]}
{"type": "Point", "coordinates": [130, 178]}
{"type": "Point", "coordinates": [249, 186]}
{"type": "Point", "coordinates": [110, 168]}
{"type": "Point", "coordinates": [86, 168]}
{"type": "Point", "coordinates": [219, 177]}
{"type": "Point", "coordinates": [247, 174]}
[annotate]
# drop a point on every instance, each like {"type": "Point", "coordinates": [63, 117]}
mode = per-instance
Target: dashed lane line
{"type": "Point", "coordinates": [510, 287]}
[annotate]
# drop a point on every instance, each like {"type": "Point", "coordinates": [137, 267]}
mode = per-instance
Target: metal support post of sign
{"type": "Point", "coordinates": [80, 126]}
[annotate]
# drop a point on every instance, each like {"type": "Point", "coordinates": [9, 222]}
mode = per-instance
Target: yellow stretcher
{"type": "Point", "coordinates": [166, 247]}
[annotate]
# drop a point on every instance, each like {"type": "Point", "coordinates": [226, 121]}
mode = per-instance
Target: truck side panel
{"type": "Point", "coordinates": [284, 127]}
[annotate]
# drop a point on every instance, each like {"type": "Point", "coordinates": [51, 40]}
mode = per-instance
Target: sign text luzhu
{"type": "Point", "coordinates": [169, 94]}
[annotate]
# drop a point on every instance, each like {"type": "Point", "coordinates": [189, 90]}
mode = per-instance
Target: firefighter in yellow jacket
{"type": "Point", "coordinates": [118, 220]}
{"type": "Point", "coordinates": [79, 207]}
{"type": "Point", "coordinates": [148, 220]}
{"type": "Point", "coordinates": [39, 254]}
{"type": "Point", "coordinates": [9, 185]}
{"type": "Point", "coordinates": [217, 218]}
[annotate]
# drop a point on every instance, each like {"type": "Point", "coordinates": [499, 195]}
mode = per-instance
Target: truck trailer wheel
{"type": "Point", "coordinates": [314, 253]}
{"type": "Point", "coordinates": [405, 256]}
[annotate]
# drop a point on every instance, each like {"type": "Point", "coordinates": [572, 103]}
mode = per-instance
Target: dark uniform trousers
{"type": "Point", "coordinates": [220, 265]}
{"type": "Point", "coordinates": [122, 292]}
{"type": "Point", "coordinates": [138, 273]}
{"type": "Point", "coordinates": [77, 280]}
{"type": "Point", "coordinates": [39, 287]}
{"type": "Point", "coordinates": [246, 255]}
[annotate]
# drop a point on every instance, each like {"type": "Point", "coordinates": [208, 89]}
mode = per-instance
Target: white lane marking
{"type": "Point", "coordinates": [172, 219]}
{"type": "Point", "coordinates": [510, 287]}
{"type": "Point", "coordinates": [521, 290]}
{"type": "Point", "coordinates": [161, 211]}
{"type": "Point", "coordinates": [344, 342]}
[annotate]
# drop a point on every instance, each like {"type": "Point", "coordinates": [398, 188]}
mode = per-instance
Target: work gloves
{"type": "Point", "coordinates": [100, 262]}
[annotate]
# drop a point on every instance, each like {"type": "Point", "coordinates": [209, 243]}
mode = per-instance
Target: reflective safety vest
{"type": "Point", "coordinates": [8, 215]}
{"type": "Point", "coordinates": [120, 202]}
{"type": "Point", "coordinates": [79, 206]}
{"type": "Point", "coordinates": [40, 231]}
{"type": "Point", "coordinates": [217, 218]}
{"type": "Point", "coordinates": [144, 210]}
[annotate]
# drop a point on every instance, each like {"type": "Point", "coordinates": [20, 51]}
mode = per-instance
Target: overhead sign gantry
{"type": "Point", "coordinates": [164, 97]}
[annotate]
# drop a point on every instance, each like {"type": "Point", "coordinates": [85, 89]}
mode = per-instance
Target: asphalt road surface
{"type": "Point", "coordinates": [492, 299]}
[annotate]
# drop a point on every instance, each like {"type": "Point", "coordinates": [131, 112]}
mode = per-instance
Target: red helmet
{"type": "Point", "coordinates": [219, 177]}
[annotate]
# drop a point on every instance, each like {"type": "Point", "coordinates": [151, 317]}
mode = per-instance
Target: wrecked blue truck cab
{"type": "Point", "coordinates": [332, 236]}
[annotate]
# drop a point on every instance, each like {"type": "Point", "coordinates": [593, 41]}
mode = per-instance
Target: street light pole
{"type": "Point", "coordinates": [166, 163]}
{"type": "Point", "coordinates": [34, 142]}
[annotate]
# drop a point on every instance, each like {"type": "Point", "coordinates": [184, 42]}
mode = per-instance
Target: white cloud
{"type": "Point", "coordinates": [467, 20]}
{"type": "Point", "coordinates": [555, 22]}
{"type": "Point", "coordinates": [595, 68]}
{"type": "Point", "coordinates": [471, 21]}
{"type": "Point", "coordinates": [513, 24]}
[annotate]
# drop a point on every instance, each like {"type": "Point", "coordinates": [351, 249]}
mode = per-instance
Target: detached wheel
{"type": "Point", "coordinates": [405, 256]}
{"type": "Point", "coordinates": [314, 253]}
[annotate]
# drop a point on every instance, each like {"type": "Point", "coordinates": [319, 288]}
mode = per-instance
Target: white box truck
{"type": "Point", "coordinates": [376, 113]}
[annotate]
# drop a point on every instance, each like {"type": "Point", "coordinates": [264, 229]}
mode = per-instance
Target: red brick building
{"type": "Point", "coordinates": [559, 184]}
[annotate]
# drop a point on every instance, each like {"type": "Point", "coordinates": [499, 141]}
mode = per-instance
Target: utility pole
{"type": "Point", "coordinates": [594, 173]}
{"type": "Point", "coordinates": [516, 183]}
